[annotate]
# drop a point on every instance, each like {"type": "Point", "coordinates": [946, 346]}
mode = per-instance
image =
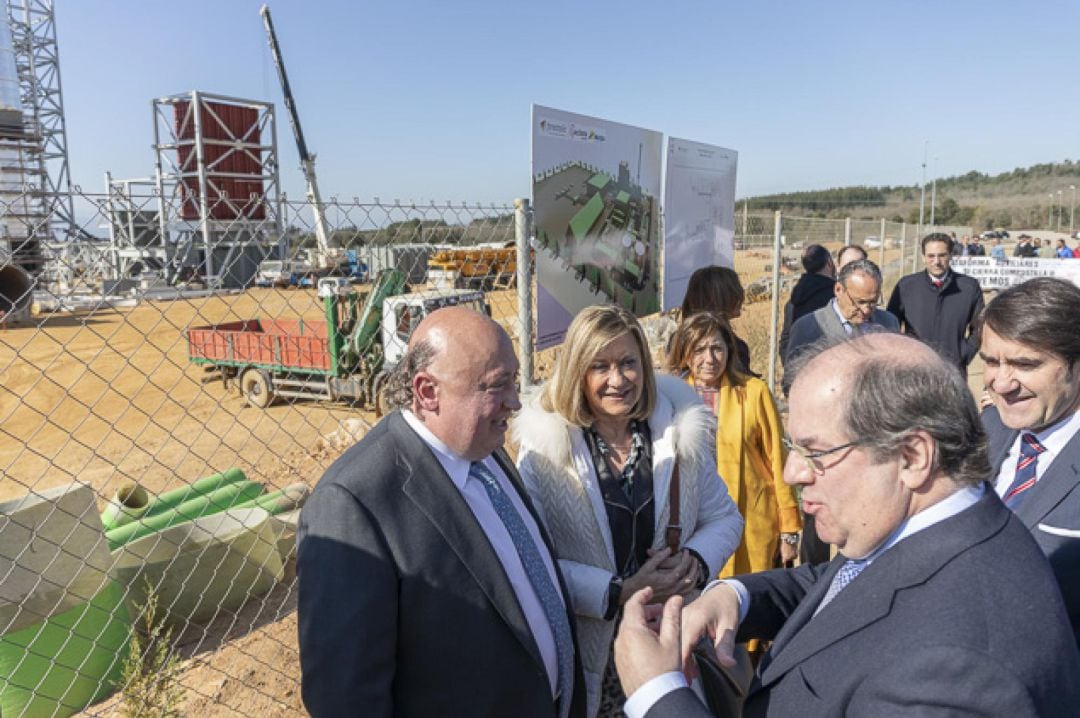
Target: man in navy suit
{"type": "Point", "coordinates": [939, 602]}
{"type": "Point", "coordinates": [427, 585]}
{"type": "Point", "coordinates": [1032, 353]}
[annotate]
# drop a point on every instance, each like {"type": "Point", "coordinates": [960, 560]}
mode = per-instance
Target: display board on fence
{"type": "Point", "coordinates": [596, 200]}
{"type": "Point", "coordinates": [699, 212]}
{"type": "Point", "coordinates": [1001, 273]}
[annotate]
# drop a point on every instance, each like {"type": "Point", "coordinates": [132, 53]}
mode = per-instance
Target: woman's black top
{"type": "Point", "coordinates": [628, 497]}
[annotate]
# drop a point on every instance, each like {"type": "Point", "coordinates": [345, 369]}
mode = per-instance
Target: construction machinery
{"type": "Point", "coordinates": [475, 267]}
{"type": "Point", "coordinates": [307, 158]}
{"type": "Point", "coordinates": [346, 357]}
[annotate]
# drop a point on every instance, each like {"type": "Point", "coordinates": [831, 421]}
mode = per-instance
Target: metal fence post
{"type": "Point", "coordinates": [883, 246]}
{"type": "Point", "coordinates": [915, 250]}
{"type": "Point", "coordinates": [903, 246]}
{"type": "Point", "coordinates": [774, 334]}
{"type": "Point", "coordinates": [522, 232]}
{"type": "Point", "coordinates": [847, 232]}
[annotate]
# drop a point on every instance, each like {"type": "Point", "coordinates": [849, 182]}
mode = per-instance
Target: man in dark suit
{"type": "Point", "coordinates": [427, 585]}
{"type": "Point", "coordinates": [1032, 355]}
{"type": "Point", "coordinates": [940, 602]}
{"type": "Point", "coordinates": [940, 306]}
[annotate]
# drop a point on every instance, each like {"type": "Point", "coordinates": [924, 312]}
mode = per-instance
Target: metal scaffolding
{"type": "Point", "coordinates": [216, 169]}
{"type": "Point", "coordinates": [37, 61]}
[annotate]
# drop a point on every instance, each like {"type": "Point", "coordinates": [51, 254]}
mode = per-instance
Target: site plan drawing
{"type": "Point", "coordinates": [699, 213]}
{"type": "Point", "coordinates": [596, 200]}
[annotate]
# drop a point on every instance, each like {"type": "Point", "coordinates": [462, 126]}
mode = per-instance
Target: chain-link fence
{"type": "Point", "coordinates": [893, 246]}
{"type": "Point", "coordinates": [162, 417]}
{"type": "Point", "coordinates": [171, 391]}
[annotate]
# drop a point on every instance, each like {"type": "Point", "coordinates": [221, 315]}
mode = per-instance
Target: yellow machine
{"type": "Point", "coordinates": [481, 267]}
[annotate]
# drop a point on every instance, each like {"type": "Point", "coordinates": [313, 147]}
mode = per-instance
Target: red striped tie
{"type": "Point", "coordinates": [1030, 448]}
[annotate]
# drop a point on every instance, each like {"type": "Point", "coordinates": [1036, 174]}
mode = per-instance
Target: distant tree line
{"type": "Point", "coordinates": [1009, 199]}
{"type": "Point", "coordinates": [827, 198]}
{"type": "Point", "coordinates": [494, 229]}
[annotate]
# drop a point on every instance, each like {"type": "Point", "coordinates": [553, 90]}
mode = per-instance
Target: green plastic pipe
{"type": "Point", "coordinates": [172, 499]}
{"type": "Point", "coordinates": [132, 502]}
{"type": "Point", "coordinates": [68, 661]}
{"type": "Point", "coordinates": [224, 498]}
{"type": "Point", "coordinates": [291, 497]}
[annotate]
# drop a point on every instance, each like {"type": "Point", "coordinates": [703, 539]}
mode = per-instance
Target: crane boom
{"type": "Point", "coordinates": [307, 160]}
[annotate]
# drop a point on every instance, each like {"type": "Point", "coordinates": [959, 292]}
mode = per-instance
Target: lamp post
{"type": "Point", "coordinates": [1072, 209]}
{"type": "Point", "coordinates": [1050, 213]}
{"type": "Point", "coordinates": [922, 207]}
{"type": "Point", "coordinates": [1060, 210]}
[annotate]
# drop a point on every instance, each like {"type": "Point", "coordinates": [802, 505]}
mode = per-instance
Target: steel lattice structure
{"type": "Point", "coordinates": [216, 169]}
{"type": "Point", "coordinates": [37, 60]}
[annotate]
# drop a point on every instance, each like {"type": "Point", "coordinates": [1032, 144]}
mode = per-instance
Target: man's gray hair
{"type": "Point", "coordinates": [398, 393]}
{"type": "Point", "coordinates": [859, 266]}
{"type": "Point", "coordinates": [890, 395]}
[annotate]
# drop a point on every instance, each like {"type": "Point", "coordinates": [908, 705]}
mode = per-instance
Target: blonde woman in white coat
{"type": "Point", "coordinates": [597, 447]}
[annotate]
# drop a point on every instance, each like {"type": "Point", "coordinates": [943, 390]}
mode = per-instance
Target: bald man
{"type": "Point", "coordinates": [939, 602]}
{"type": "Point", "coordinates": [427, 585]}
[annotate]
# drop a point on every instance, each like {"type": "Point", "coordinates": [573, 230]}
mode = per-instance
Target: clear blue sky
{"type": "Point", "coordinates": [431, 100]}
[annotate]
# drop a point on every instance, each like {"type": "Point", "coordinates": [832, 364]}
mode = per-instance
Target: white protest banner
{"type": "Point", "coordinates": [1002, 273]}
{"type": "Point", "coordinates": [596, 214]}
{"type": "Point", "coordinates": [699, 212]}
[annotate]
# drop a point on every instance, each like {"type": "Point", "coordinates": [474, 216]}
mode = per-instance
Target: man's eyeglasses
{"type": "Point", "coordinates": [864, 303]}
{"type": "Point", "coordinates": [810, 458]}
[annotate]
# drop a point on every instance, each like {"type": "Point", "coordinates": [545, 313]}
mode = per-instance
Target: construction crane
{"type": "Point", "coordinates": [307, 159]}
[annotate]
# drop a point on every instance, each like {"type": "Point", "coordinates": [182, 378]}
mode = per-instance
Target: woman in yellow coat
{"type": "Point", "coordinates": [749, 451]}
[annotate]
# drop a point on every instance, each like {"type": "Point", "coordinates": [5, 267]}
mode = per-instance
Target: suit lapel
{"type": "Point", "coordinates": [830, 323]}
{"type": "Point", "coordinates": [1060, 480]}
{"type": "Point", "coordinates": [428, 486]}
{"type": "Point", "coordinates": [803, 613]}
{"type": "Point", "coordinates": [869, 598]}
{"type": "Point", "coordinates": [1000, 439]}
{"type": "Point", "coordinates": [861, 603]}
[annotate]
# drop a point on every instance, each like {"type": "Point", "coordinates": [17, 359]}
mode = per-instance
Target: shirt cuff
{"type": "Point", "coordinates": [644, 698]}
{"type": "Point", "coordinates": [740, 592]}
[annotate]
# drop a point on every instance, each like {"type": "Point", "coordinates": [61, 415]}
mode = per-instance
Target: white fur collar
{"type": "Point", "coordinates": [693, 428]}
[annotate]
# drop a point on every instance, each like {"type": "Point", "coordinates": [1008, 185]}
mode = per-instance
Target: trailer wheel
{"type": "Point", "coordinates": [255, 387]}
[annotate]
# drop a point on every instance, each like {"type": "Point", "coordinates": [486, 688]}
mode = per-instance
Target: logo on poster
{"type": "Point", "coordinates": [587, 134]}
{"type": "Point", "coordinates": [553, 129]}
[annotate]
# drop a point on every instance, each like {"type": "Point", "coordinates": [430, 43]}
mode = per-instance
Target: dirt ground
{"type": "Point", "coordinates": [109, 396]}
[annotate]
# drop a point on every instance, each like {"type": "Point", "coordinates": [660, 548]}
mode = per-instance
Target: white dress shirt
{"type": "Point", "coordinates": [648, 694]}
{"type": "Point", "coordinates": [476, 496]}
{"type": "Point", "coordinates": [1053, 439]}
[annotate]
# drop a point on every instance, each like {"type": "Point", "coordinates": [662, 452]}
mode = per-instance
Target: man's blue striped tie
{"type": "Point", "coordinates": [536, 570]}
{"type": "Point", "coordinates": [1030, 448]}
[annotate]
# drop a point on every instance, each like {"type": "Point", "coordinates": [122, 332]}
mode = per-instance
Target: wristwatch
{"type": "Point", "coordinates": [703, 569]}
{"type": "Point", "coordinates": [614, 591]}
{"type": "Point", "coordinates": [791, 539]}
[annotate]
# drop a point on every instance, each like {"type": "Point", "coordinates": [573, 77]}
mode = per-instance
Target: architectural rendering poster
{"type": "Point", "coordinates": [596, 213]}
{"type": "Point", "coordinates": [699, 213]}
